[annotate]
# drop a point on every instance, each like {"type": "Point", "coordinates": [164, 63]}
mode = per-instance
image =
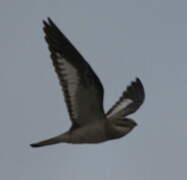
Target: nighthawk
{"type": "Point", "coordinates": [83, 94]}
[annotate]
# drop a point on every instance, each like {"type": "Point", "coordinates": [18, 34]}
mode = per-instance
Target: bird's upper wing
{"type": "Point", "coordinates": [129, 102]}
{"type": "Point", "coordinates": [82, 89]}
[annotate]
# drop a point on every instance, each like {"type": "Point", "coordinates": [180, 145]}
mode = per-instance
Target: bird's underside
{"type": "Point", "coordinates": [83, 94]}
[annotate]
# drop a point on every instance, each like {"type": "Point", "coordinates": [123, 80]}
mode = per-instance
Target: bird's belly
{"type": "Point", "coordinates": [94, 133]}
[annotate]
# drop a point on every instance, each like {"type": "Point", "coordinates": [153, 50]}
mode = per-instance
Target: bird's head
{"type": "Point", "coordinates": [124, 126]}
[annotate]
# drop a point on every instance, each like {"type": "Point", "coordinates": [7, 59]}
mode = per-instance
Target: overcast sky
{"type": "Point", "coordinates": [121, 40]}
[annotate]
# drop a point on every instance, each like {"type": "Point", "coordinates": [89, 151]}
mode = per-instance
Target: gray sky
{"type": "Point", "coordinates": [121, 40]}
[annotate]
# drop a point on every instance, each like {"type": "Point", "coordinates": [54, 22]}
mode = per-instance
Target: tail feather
{"type": "Point", "coordinates": [53, 140]}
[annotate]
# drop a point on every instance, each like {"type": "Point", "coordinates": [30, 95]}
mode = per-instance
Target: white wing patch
{"type": "Point", "coordinates": [122, 105]}
{"type": "Point", "coordinates": [70, 75]}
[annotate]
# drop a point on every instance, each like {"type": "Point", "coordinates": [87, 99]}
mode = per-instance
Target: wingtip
{"type": "Point", "coordinates": [45, 24]}
{"type": "Point", "coordinates": [48, 21]}
{"type": "Point", "coordinates": [138, 80]}
{"type": "Point", "coordinates": [141, 86]}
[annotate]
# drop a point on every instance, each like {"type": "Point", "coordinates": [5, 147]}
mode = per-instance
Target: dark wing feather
{"type": "Point", "coordinates": [82, 88]}
{"type": "Point", "coordinates": [129, 102]}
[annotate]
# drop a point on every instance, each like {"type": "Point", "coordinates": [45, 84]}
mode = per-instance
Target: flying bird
{"type": "Point", "coordinates": [83, 94]}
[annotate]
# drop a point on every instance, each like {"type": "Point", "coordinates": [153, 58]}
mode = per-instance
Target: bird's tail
{"type": "Point", "coordinates": [50, 141]}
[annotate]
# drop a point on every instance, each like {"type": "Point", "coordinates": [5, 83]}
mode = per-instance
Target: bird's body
{"type": "Point", "coordinates": [83, 94]}
{"type": "Point", "coordinates": [94, 132]}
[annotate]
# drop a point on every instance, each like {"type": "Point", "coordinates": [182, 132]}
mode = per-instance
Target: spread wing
{"type": "Point", "coordinates": [82, 89]}
{"type": "Point", "coordinates": [129, 102]}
